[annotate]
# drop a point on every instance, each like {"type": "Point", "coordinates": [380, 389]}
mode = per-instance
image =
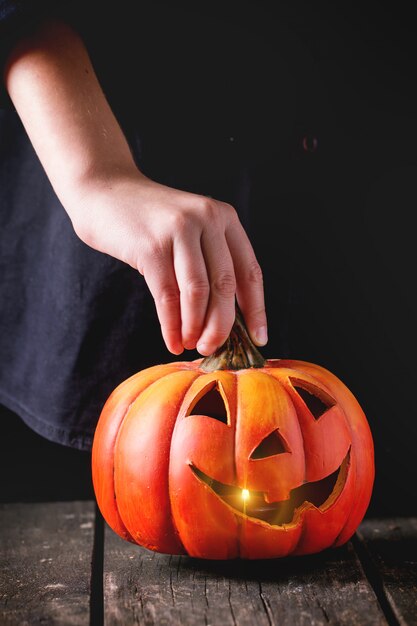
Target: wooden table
{"type": "Point", "coordinates": [60, 564]}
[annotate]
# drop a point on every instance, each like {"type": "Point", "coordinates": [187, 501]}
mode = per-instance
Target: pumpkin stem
{"type": "Point", "coordinates": [237, 353]}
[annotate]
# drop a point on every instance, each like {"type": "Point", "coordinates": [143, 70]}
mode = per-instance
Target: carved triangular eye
{"type": "Point", "coordinates": [315, 399]}
{"type": "Point", "coordinates": [270, 446]}
{"type": "Point", "coordinates": [211, 404]}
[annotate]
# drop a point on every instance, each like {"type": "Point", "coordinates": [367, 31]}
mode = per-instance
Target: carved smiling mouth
{"type": "Point", "coordinates": [320, 494]}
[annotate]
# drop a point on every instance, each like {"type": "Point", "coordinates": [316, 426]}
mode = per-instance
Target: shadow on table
{"type": "Point", "coordinates": [305, 569]}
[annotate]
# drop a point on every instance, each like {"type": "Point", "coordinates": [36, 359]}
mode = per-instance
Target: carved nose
{"type": "Point", "coordinates": [273, 444]}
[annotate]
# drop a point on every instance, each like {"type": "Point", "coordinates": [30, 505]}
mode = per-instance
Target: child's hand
{"type": "Point", "coordinates": [192, 250]}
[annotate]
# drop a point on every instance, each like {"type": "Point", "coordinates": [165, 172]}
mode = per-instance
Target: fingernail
{"type": "Point", "coordinates": [189, 345]}
{"type": "Point", "coordinates": [261, 336]}
{"type": "Point", "coordinates": [177, 350]}
{"type": "Point", "coordinates": [204, 349]}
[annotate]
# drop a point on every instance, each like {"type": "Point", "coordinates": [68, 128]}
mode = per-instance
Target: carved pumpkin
{"type": "Point", "coordinates": [233, 456]}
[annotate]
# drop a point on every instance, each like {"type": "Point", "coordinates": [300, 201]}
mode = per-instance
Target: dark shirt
{"type": "Point", "coordinates": [75, 322]}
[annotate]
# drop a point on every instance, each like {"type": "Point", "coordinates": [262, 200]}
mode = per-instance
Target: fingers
{"type": "Point", "coordinates": [160, 278]}
{"type": "Point", "coordinates": [205, 263]}
{"type": "Point", "coordinates": [249, 281]}
{"type": "Point", "coordinates": [193, 283]}
{"type": "Point", "coordinates": [221, 307]}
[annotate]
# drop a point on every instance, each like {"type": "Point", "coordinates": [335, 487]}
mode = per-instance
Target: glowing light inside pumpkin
{"type": "Point", "coordinates": [245, 494]}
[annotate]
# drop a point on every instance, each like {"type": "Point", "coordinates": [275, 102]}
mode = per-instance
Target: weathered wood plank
{"type": "Point", "coordinates": [391, 545]}
{"type": "Point", "coordinates": [142, 587]}
{"type": "Point", "coordinates": [45, 563]}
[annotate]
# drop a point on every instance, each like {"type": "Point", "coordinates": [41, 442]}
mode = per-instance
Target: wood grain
{"type": "Point", "coordinates": [46, 554]}
{"type": "Point", "coordinates": [45, 563]}
{"type": "Point", "coordinates": [143, 587]}
{"type": "Point", "coordinates": [391, 545]}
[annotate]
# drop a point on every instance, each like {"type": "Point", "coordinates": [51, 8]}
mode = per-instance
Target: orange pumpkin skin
{"type": "Point", "coordinates": [152, 455]}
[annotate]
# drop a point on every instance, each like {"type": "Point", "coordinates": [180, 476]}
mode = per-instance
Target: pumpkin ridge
{"type": "Point", "coordinates": [142, 391]}
{"type": "Point", "coordinates": [237, 517]}
{"type": "Point", "coordinates": [305, 369]}
{"type": "Point", "coordinates": [174, 525]}
{"type": "Point", "coordinates": [351, 468]}
{"type": "Point", "coordinates": [98, 450]}
{"type": "Point", "coordinates": [113, 454]}
{"type": "Point", "coordinates": [271, 373]}
{"type": "Point", "coordinates": [122, 385]}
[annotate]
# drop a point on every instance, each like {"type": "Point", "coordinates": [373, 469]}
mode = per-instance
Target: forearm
{"type": "Point", "coordinates": [55, 91]}
{"type": "Point", "coordinates": [192, 250]}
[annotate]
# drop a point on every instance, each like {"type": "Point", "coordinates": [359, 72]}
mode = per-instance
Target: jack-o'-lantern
{"type": "Point", "coordinates": [233, 456]}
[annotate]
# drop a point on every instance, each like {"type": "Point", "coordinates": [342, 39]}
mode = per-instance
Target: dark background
{"type": "Point", "coordinates": [320, 104]}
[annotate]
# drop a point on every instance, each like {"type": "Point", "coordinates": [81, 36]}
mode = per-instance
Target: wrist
{"type": "Point", "coordinates": [95, 200]}
{"type": "Point", "coordinates": [76, 188]}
